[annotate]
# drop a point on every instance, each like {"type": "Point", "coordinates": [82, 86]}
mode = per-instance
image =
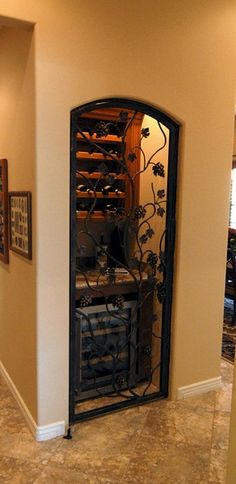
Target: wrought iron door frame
{"type": "Point", "coordinates": [173, 128]}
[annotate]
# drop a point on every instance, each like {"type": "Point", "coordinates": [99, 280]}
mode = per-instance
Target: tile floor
{"type": "Point", "coordinates": [162, 442]}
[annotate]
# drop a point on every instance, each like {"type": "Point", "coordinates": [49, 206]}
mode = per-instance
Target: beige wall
{"type": "Point", "coordinates": [17, 144]}
{"type": "Point", "coordinates": [234, 147]}
{"type": "Point", "coordinates": [178, 56]}
{"type": "Point", "coordinates": [149, 145]}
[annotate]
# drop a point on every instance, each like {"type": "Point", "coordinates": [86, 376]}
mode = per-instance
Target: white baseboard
{"type": "Point", "coordinates": [51, 431]}
{"type": "Point", "coordinates": [40, 433]}
{"type": "Point", "coordinates": [199, 388]}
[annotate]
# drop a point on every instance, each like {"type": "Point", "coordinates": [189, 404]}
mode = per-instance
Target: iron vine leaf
{"type": "Point", "coordinates": [150, 232]}
{"type": "Point", "coordinates": [160, 211]}
{"type": "Point", "coordinates": [158, 169]}
{"type": "Point", "coordinates": [101, 129]}
{"type": "Point", "coordinates": [161, 193]}
{"type": "Point", "coordinates": [145, 132]}
{"type": "Point", "coordinates": [143, 239]}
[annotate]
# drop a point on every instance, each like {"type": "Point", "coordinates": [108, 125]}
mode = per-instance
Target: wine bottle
{"type": "Point", "coordinates": [109, 189]}
{"type": "Point", "coordinates": [82, 188]}
{"type": "Point", "coordinates": [118, 192]}
{"type": "Point", "coordinates": [106, 189]}
{"type": "Point", "coordinates": [90, 190]}
{"type": "Point", "coordinates": [109, 208]}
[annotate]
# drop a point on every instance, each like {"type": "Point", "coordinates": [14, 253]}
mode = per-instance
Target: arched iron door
{"type": "Point", "coordinates": [123, 192]}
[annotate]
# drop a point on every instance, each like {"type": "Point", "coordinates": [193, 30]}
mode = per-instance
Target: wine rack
{"type": "Point", "coordinates": [112, 335]}
{"type": "Point", "coordinates": [102, 183]}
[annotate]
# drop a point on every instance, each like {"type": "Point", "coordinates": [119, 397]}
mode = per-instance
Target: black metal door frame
{"type": "Point", "coordinates": [173, 128]}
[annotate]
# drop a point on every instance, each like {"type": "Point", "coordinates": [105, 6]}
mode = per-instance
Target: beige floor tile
{"type": "Point", "coordinates": [206, 401]}
{"type": "Point", "coordinates": [18, 471]}
{"type": "Point", "coordinates": [95, 470]}
{"type": "Point", "coordinates": [59, 475]}
{"type": "Point", "coordinates": [187, 425]}
{"type": "Point", "coordinates": [220, 431]}
{"type": "Point", "coordinates": [173, 464]}
{"type": "Point", "coordinates": [218, 465]}
{"type": "Point", "coordinates": [161, 442]}
{"type": "Point", "coordinates": [227, 371]}
{"type": "Point", "coordinates": [223, 398]}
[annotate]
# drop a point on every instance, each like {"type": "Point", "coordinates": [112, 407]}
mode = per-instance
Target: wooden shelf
{"type": "Point", "coordinates": [95, 194]}
{"type": "Point", "coordinates": [121, 279]}
{"type": "Point", "coordinates": [97, 174]}
{"type": "Point", "coordinates": [111, 114]}
{"type": "Point", "coordinates": [110, 138]}
{"type": "Point", "coordinates": [94, 216]}
{"type": "Point", "coordinates": [84, 155]}
{"type": "Point", "coordinates": [113, 161]}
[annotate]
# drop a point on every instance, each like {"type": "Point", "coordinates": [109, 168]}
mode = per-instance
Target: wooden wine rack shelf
{"type": "Point", "coordinates": [93, 216]}
{"type": "Point", "coordinates": [94, 194]}
{"type": "Point", "coordinates": [84, 155]}
{"type": "Point", "coordinates": [107, 152]}
{"type": "Point", "coordinates": [110, 138]}
{"type": "Point", "coordinates": [97, 174]}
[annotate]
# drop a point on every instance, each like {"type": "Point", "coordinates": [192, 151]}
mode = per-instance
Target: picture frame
{"type": "Point", "coordinates": [20, 220]}
{"type": "Point", "coordinates": [4, 245]}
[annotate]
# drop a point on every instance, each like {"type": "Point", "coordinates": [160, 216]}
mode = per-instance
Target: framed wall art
{"type": "Point", "coordinates": [20, 223]}
{"type": "Point", "coordinates": [4, 250]}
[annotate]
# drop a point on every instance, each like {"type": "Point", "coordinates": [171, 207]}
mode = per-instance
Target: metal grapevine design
{"type": "Point", "coordinates": [120, 332]}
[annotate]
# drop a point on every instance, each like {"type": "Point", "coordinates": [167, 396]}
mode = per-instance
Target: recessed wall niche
{"type": "Point", "coordinates": [123, 189]}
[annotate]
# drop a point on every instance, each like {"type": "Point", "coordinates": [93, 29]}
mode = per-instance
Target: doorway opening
{"type": "Point", "coordinates": [123, 193]}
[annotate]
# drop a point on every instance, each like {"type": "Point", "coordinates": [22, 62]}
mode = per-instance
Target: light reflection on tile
{"type": "Point", "coordinates": [162, 442]}
{"type": "Point", "coordinates": [217, 474]}
{"type": "Point", "coordinates": [220, 431]}
{"type": "Point", "coordinates": [223, 398]}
